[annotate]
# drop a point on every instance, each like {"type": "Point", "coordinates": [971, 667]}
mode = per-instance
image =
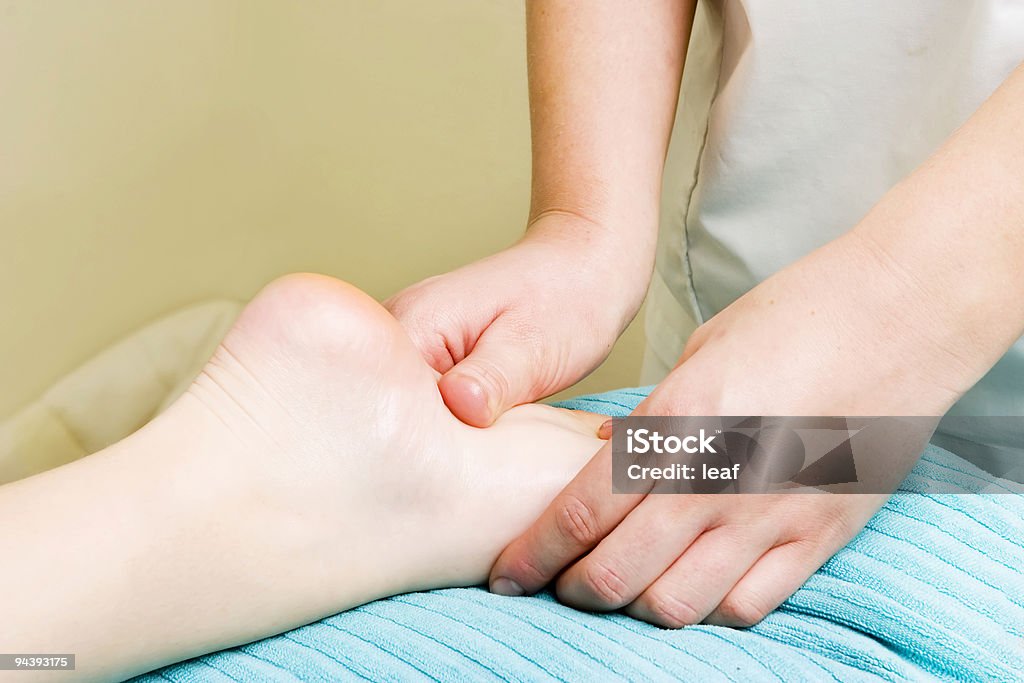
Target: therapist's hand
{"type": "Point", "coordinates": [529, 321]}
{"type": "Point", "coordinates": [844, 331]}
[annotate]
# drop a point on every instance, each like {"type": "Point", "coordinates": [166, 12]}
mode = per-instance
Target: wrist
{"type": "Point", "coordinates": [610, 265]}
{"type": "Point", "coordinates": [949, 310]}
{"type": "Point", "coordinates": [628, 235]}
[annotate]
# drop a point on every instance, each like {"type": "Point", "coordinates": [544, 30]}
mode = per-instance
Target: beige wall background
{"type": "Point", "coordinates": [153, 155]}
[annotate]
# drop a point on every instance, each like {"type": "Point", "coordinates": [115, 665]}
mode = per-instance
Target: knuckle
{"type": "Point", "coordinates": [406, 303]}
{"type": "Point", "coordinates": [606, 584]}
{"type": "Point", "coordinates": [491, 377]}
{"type": "Point", "coordinates": [578, 522]}
{"type": "Point", "coordinates": [431, 338]}
{"type": "Point", "coordinates": [397, 305]}
{"type": "Point", "coordinates": [412, 317]}
{"type": "Point", "coordinates": [741, 610]}
{"type": "Point", "coordinates": [436, 351]}
{"type": "Point", "coordinates": [669, 610]}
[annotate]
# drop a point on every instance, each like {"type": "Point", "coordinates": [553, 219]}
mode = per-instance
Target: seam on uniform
{"type": "Point", "coordinates": [696, 178]}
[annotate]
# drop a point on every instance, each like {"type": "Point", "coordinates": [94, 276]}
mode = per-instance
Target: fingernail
{"type": "Point", "coordinates": [486, 401]}
{"type": "Point", "coordinates": [491, 401]}
{"type": "Point", "coordinates": [468, 399]}
{"type": "Point", "coordinates": [605, 430]}
{"type": "Point", "coordinates": [504, 586]}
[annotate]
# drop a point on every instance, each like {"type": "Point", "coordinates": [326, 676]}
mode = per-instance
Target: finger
{"type": "Point", "coordinates": [700, 579]}
{"type": "Point", "coordinates": [429, 336]}
{"type": "Point", "coordinates": [775, 577]}
{"type": "Point", "coordinates": [579, 517]}
{"type": "Point", "coordinates": [501, 371]}
{"type": "Point", "coordinates": [636, 553]}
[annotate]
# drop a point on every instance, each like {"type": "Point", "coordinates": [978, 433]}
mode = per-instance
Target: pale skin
{"type": "Point", "coordinates": [312, 467]}
{"type": "Point", "coordinates": [899, 316]}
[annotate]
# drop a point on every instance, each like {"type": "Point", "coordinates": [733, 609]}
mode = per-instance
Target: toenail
{"type": "Point", "coordinates": [504, 586]}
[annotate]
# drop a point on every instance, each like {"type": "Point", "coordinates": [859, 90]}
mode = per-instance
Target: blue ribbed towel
{"type": "Point", "coordinates": [933, 588]}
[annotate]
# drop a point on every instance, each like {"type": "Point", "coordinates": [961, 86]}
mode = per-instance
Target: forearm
{"type": "Point", "coordinates": [604, 81]}
{"type": "Point", "coordinates": [954, 231]}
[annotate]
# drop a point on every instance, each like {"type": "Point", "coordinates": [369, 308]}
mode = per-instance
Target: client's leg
{"type": "Point", "coordinates": [312, 467]}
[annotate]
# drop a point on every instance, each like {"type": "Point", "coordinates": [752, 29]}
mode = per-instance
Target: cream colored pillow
{"type": "Point", "coordinates": [115, 393]}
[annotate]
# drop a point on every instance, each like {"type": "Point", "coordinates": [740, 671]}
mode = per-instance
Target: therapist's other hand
{"type": "Point", "coordinates": [844, 331]}
{"type": "Point", "coordinates": [526, 322]}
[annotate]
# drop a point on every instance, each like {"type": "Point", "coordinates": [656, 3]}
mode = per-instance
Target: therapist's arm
{"type": "Point", "coordinates": [900, 316]}
{"type": "Point", "coordinates": [604, 80]}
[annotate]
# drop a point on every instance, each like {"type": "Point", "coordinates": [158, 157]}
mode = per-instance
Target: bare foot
{"type": "Point", "coordinates": [311, 467]}
{"type": "Point", "coordinates": [339, 421]}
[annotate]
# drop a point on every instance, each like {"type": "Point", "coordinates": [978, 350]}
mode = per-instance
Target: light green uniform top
{"type": "Point", "coordinates": [795, 118]}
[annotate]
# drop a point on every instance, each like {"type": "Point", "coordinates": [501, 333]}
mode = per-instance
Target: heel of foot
{"type": "Point", "coordinates": [321, 313]}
